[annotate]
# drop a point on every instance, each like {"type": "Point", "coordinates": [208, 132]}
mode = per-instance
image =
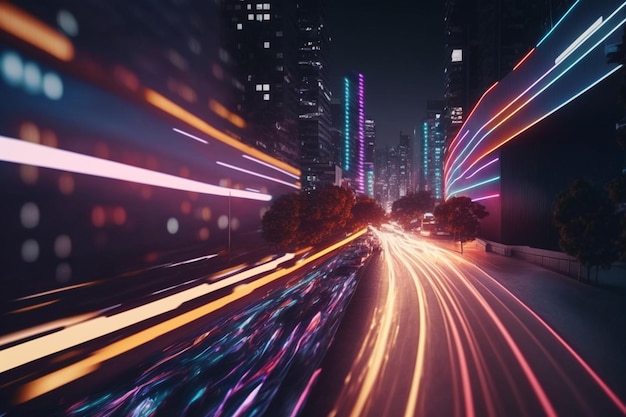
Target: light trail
{"type": "Point", "coordinates": [477, 322]}
{"type": "Point", "coordinates": [46, 345]}
{"type": "Point", "coordinates": [22, 152]}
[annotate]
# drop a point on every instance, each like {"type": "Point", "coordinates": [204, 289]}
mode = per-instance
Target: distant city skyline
{"type": "Point", "coordinates": [400, 51]}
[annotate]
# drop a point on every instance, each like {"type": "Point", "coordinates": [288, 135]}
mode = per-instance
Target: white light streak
{"type": "Point", "coordinates": [271, 166]}
{"type": "Point", "coordinates": [256, 174]}
{"type": "Point", "coordinates": [182, 132]}
{"type": "Point", "coordinates": [21, 152]}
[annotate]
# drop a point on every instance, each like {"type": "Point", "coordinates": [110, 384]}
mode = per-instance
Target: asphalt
{"type": "Point", "coordinates": [590, 316]}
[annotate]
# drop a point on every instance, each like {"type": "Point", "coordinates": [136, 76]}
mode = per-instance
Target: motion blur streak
{"type": "Point", "coordinates": [70, 373]}
{"type": "Point", "coordinates": [418, 369]}
{"type": "Point", "coordinates": [493, 355]}
{"type": "Point", "coordinates": [256, 174]}
{"type": "Point", "coordinates": [379, 350]}
{"type": "Point", "coordinates": [608, 391]}
{"type": "Point", "coordinates": [21, 152]}
{"type": "Point", "coordinates": [46, 345]}
{"type": "Point", "coordinates": [175, 110]}
{"type": "Point", "coordinates": [33, 31]}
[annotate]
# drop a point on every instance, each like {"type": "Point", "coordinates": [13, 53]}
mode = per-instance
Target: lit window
{"type": "Point", "coordinates": [266, 45]}
{"type": "Point", "coordinates": [259, 87]}
{"type": "Point", "coordinates": [266, 87]}
{"type": "Point", "coordinates": [250, 17]}
{"type": "Point", "coordinates": [266, 6]}
{"type": "Point", "coordinates": [259, 6]}
{"type": "Point", "coordinates": [259, 17]}
{"type": "Point", "coordinates": [266, 97]}
{"type": "Point", "coordinates": [249, 6]}
{"type": "Point", "coordinates": [239, 26]}
{"type": "Point", "coordinates": [457, 55]}
{"type": "Point", "coordinates": [266, 16]}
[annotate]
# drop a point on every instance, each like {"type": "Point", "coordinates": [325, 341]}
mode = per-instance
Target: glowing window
{"type": "Point", "coordinates": [259, 87]}
{"type": "Point", "coordinates": [266, 97]}
{"type": "Point", "coordinates": [266, 87]}
{"type": "Point", "coordinates": [239, 26]}
{"type": "Point", "coordinates": [259, 17]}
{"type": "Point", "coordinates": [457, 55]}
{"type": "Point", "coordinates": [250, 17]}
{"type": "Point", "coordinates": [259, 6]}
{"type": "Point", "coordinates": [266, 6]}
{"type": "Point", "coordinates": [266, 16]}
{"type": "Point", "coordinates": [249, 6]}
{"type": "Point", "coordinates": [266, 45]}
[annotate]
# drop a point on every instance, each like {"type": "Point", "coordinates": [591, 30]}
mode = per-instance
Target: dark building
{"type": "Point", "coordinates": [314, 96]}
{"type": "Point", "coordinates": [262, 38]}
{"type": "Point", "coordinates": [485, 39]}
{"type": "Point", "coordinates": [549, 121]}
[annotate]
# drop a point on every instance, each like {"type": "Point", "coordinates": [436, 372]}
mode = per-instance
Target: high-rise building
{"type": "Point", "coordinates": [431, 147]}
{"type": "Point", "coordinates": [370, 156]}
{"type": "Point", "coordinates": [484, 40]}
{"type": "Point", "coordinates": [262, 37]}
{"type": "Point", "coordinates": [314, 97]}
{"type": "Point", "coordinates": [405, 168]}
{"type": "Point", "coordinates": [382, 178]}
{"type": "Point", "coordinates": [352, 158]}
{"type": "Point", "coordinates": [550, 121]}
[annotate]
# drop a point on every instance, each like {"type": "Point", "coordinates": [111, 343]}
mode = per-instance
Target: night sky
{"type": "Point", "coordinates": [398, 46]}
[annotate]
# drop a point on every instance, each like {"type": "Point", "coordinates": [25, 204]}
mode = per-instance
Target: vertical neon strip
{"type": "Point", "coordinates": [346, 129]}
{"type": "Point", "coordinates": [361, 173]}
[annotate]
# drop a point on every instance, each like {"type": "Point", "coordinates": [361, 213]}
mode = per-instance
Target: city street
{"type": "Point", "coordinates": [431, 333]}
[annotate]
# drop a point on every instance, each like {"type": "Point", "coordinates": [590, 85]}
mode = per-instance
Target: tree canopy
{"type": "Point", "coordinates": [302, 219]}
{"type": "Point", "coordinates": [410, 208]}
{"type": "Point", "coordinates": [587, 223]}
{"type": "Point", "coordinates": [461, 216]}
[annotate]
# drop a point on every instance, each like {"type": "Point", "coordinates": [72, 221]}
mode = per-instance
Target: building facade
{"type": "Point", "coordinates": [314, 97]}
{"type": "Point", "coordinates": [262, 38]}
{"type": "Point", "coordinates": [370, 156]}
{"type": "Point", "coordinates": [431, 151]}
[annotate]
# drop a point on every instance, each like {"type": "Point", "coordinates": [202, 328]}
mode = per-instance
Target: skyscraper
{"type": "Point", "coordinates": [353, 122]}
{"type": "Point", "coordinates": [262, 37]}
{"type": "Point", "coordinates": [431, 147]}
{"type": "Point", "coordinates": [370, 156]}
{"type": "Point", "coordinates": [405, 168]}
{"type": "Point", "coordinates": [314, 97]}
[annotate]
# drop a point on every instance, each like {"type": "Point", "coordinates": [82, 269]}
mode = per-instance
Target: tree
{"type": "Point", "coordinates": [325, 212]}
{"type": "Point", "coordinates": [367, 211]}
{"type": "Point", "coordinates": [281, 223]}
{"type": "Point", "coordinates": [588, 226]}
{"type": "Point", "coordinates": [411, 207]}
{"type": "Point", "coordinates": [461, 216]}
{"type": "Point", "coordinates": [617, 194]}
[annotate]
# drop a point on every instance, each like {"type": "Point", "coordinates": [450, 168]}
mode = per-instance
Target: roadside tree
{"type": "Point", "coordinates": [588, 226]}
{"type": "Point", "coordinates": [460, 216]}
{"type": "Point", "coordinates": [410, 209]}
{"type": "Point", "coordinates": [281, 223]}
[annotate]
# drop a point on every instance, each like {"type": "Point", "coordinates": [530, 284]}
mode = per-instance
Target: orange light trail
{"type": "Point", "coordinates": [180, 113]}
{"type": "Point", "coordinates": [15, 355]}
{"type": "Point", "coordinates": [31, 30]}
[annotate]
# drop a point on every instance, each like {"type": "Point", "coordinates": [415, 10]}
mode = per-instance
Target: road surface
{"type": "Point", "coordinates": [429, 333]}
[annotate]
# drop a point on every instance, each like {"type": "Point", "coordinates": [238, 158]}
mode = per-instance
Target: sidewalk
{"type": "Point", "coordinates": [590, 316]}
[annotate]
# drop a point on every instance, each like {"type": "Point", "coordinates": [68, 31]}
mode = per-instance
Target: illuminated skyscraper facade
{"type": "Point", "coordinates": [353, 123]}
{"type": "Point", "coordinates": [405, 165]}
{"type": "Point", "coordinates": [370, 156]}
{"type": "Point", "coordinates": [431, 147]}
